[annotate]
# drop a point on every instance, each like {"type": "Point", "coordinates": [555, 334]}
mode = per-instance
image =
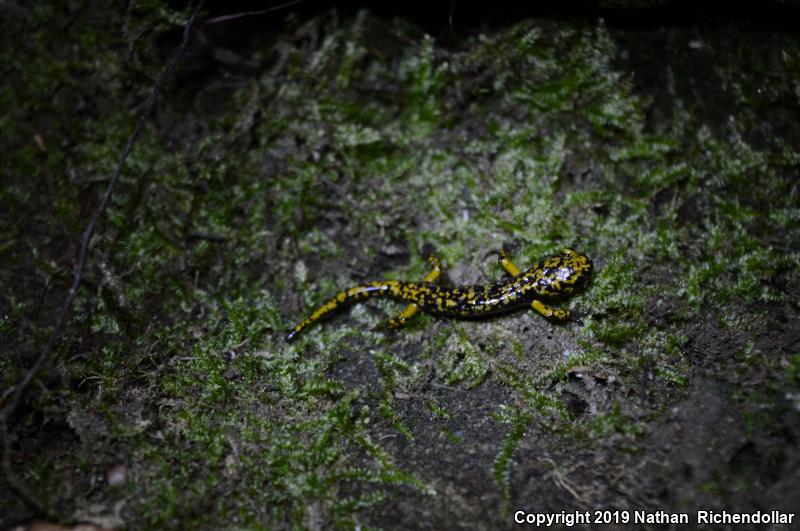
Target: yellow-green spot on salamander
{"type": "Point", "coordinates": [552, 279]}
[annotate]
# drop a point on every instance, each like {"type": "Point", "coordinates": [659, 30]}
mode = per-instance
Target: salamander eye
{"type": "Point", "coordinates": [567, 251]}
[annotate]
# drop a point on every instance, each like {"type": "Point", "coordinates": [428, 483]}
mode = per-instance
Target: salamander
{"type": "Point", "coordinates": [552, 279]}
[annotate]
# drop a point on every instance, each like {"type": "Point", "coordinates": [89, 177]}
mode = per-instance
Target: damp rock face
{"type": "Point", "coordinates": [294, 155]}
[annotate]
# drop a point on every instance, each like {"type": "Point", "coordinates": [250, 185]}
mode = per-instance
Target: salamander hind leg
{"type": "Point", "coordinates": [404, 316]}
{"type": "Point", "coordinates": [412, 308]}
{"type": "Point", "coordinates": [551, 312]}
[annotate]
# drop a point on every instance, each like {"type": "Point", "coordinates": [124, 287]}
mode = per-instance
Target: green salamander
{"type": "Point", "coordinates": [554, 278]}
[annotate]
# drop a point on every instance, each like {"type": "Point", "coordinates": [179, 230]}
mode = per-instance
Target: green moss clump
{"type": "Point", "coordinates": [338, 158]}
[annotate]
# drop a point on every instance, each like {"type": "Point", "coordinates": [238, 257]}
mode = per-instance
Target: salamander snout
{"type": "Point", "coordinates": [574, 268]}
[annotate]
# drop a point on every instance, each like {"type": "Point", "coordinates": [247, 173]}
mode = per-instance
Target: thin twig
{"type": "Point", "coordinates": [234, 16]}
{"type": "Point", "coordinates": [17, 486]}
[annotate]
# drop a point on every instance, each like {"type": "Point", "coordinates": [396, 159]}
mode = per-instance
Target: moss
{"type": "Point", "coordinates": [226, 228]}
{"type": "Point", "coordinates": [458, 360]}
{"type": "Point", "coordinates": [518, 422]}
{"type": "Point", "coordinates": [610, 422]}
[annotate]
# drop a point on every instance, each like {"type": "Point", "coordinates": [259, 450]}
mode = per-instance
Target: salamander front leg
{"type": "Point", "coordinates": [505, 262]}
{"type": "Point", "coordinates": [550, 312]}
{"type": "Point", "coordinates": [411, 309]}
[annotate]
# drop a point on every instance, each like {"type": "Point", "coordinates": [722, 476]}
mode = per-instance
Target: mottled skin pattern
{"type": "Point", "coordinates": [556, 277]}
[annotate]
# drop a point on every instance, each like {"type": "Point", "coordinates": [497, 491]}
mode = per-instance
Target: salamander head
{"type": "Point", "coordinates": [572, 270]}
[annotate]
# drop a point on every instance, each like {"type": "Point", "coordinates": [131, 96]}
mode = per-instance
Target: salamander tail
{"type": "Point", "coordinates": [342, 300]}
